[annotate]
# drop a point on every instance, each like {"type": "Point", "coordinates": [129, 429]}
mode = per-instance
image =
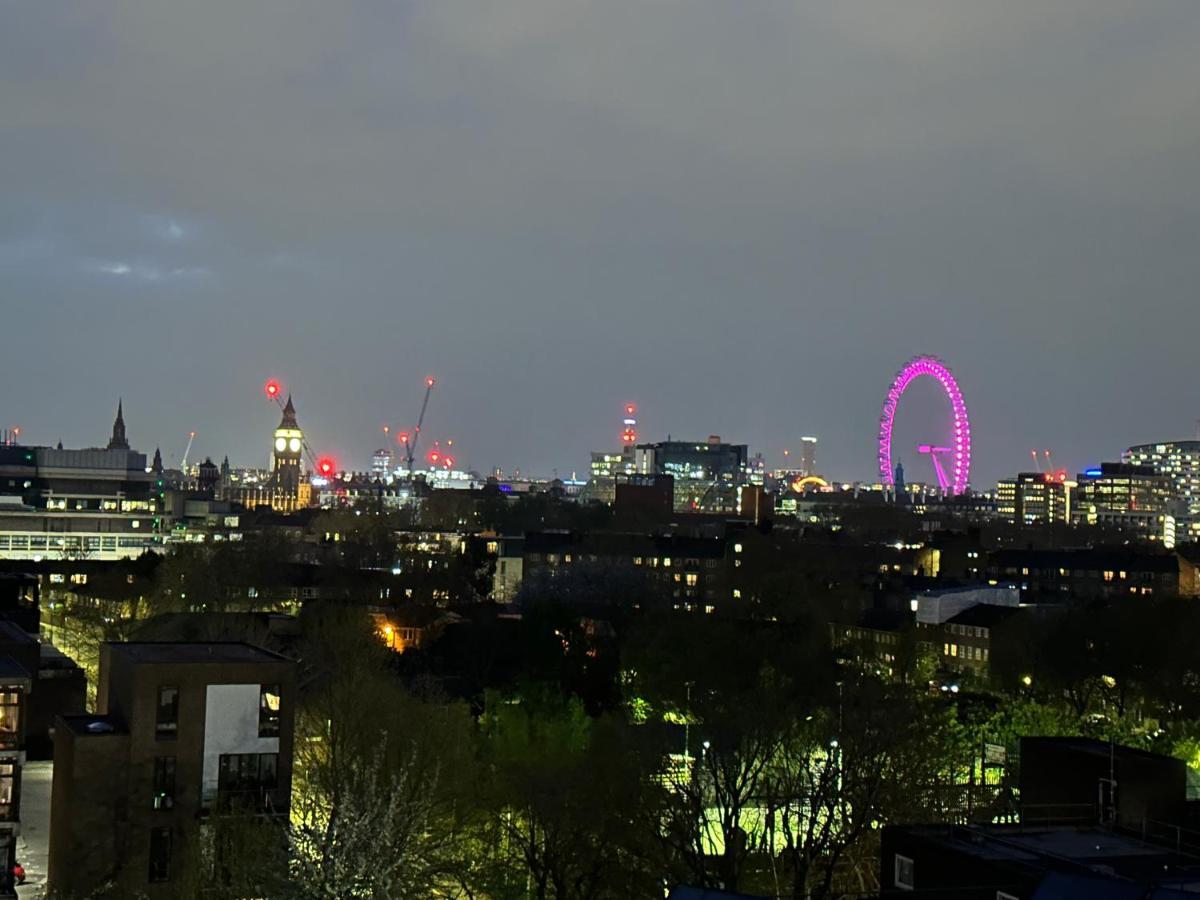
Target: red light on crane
{"type": "Point", "coordinates": [402, 437]}
{"type": "Point", "coordinates": [430, 381]}
{"type": "Point", "coordinates": [272, 388]}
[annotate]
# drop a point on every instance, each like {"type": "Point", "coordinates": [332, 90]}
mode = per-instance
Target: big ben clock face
{"type": "Point", "coordinates": [294, 444]}
{"type": "Point", "coordinates": [280, 444]}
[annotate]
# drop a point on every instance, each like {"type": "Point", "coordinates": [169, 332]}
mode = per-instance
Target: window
{"type": "Point", "coordinates": [166, 721]}
{"type": "Point", "coordinates": [8, 788]}
{"type": "Point", "coordinates": [268, 711]}
{"type": "Point", "coordinates": [10, 718]}
{"type": "Point", "coordinates": [903, 871]}
{"type": "Point", "coordinates": [160, 854]}
{"type": "Point", "coordinates": [164, 782]}
{"type": "Point", "coordinates": [246, 775]}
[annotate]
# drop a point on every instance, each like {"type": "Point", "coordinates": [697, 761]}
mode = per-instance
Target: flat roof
{"type": "Point", "coordinates": [193, 652]}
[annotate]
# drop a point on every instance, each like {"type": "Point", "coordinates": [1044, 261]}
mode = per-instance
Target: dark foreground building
{"type": "Point", "coordinates": [184, 730]}
{"type": "Point", "coordinates": [1097, 821]}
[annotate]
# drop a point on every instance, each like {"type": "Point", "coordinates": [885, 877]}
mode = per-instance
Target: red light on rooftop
{"type": "Point", "coordinates": [325, 466]}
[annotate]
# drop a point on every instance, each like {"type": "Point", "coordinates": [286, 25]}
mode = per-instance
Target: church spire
{"type": "Point", "coordinates": [118, 441]}
{"type": "Point", "coordinates": [157, 465]}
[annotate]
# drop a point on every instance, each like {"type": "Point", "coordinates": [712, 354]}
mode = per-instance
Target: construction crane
{"type": "Point", "coordinates": [186, 451]}
{"type": "Point", "coordinates": [410, 443]}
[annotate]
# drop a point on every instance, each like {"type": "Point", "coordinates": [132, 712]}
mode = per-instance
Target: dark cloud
{"type": "Point", "coordinates": [744, 216]}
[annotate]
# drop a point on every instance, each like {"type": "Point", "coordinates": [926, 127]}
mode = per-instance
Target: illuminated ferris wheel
{"type": "Point", "coordinates": [956, 457]}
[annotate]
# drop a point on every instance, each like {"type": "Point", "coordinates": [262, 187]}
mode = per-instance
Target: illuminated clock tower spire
{"type": "Point", "coordinates": [287, 451]}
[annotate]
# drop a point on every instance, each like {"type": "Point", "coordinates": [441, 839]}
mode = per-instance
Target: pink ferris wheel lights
{"type": "Point", "coordinates": [958, 479]}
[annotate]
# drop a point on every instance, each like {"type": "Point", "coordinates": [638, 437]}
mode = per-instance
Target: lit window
{"type": "Point", "coordinates": [691, 579]}
{"type": "Point", "coordinates": [737, 593]}
{"type": "Point", "coordinates": [268, 710]}
{"type": "Point", "coordinates": [10, 718]}
{"type": "Point", "coordinates": [164, 782]}
{"type": "Point", "coordinates": [667, 561]}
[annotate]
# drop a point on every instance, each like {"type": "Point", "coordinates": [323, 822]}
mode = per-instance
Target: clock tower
{"type": "Point", "coordinates": [287, 452]}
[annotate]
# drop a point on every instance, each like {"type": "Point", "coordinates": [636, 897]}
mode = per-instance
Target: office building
{"type": "Point", "coordinates": [707, 475]}
{"type": "Point", "coordinates": [808, 457]}
{"type": "Point", "coordinates": [183, 731]}
{"type": "Point", "coordinates": [1130, 497]}
{"type": "Point", "coordinates": [1177, 460]}
{"type": "Point", "coordinates": [1180, 462]}
{"type": "Point", "coordinates": [91, 503]}
{"type": "Point", "coordinates": [1034, 498]}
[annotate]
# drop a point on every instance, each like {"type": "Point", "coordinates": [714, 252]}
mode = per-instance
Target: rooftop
{"type": "Point", "coordinates": [165, 652]}
{"type": "Point", "coordinates": [985, 615]}
{"type": "Point", "coordinates": [1089, 850]}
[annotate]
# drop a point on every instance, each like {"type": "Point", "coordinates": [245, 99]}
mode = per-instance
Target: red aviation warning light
{"type": "Point", "coordinates": [326, 467]}
{"type": "Point", "coordinates": [272, 388]}
{"type": "Point", "coordinates": [430, 381]}
{"type": "Point", "coordinates": [402, 437]}
{"type": "Point", "coordinates": [629, 434]}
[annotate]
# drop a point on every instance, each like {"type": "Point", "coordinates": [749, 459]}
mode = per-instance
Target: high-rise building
{"type": "Point", "coordinates": [808, 456]}
{"type": "Point", "coordinates": [1127, 496]}
{"type": "Point", "coordinates": [707, 474]}
{"type": "Point", "coordinates": [1179, 461]}
{"type": "Point", "coordinates": [183, 731]}
{"type": "Point", "coordinates": [383, 463]}
{"type": "Point", "coordinates": [1034, 498]}
{"type": "Point", "coordinates": [607, 465]}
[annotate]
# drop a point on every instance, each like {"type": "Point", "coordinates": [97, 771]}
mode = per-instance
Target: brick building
{"type": "Point", "coordinates": [183, 730]}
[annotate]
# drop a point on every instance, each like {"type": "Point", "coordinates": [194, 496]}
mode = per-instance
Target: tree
{"type": "Point", "coordinates": [378, 799]}
{"type": "Point", "coordinates": [563, 801]}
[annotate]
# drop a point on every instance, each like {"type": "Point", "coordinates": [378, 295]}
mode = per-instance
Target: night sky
{"type": "Point", "coordinates": [744, 216]}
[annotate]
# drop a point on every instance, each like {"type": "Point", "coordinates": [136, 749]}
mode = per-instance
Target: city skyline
{"type": "Point", "coordinates": [746, 223]}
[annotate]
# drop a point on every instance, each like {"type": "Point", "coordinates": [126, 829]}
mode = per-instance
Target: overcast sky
{"type": "Point", "coordinates": [744, 215]}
